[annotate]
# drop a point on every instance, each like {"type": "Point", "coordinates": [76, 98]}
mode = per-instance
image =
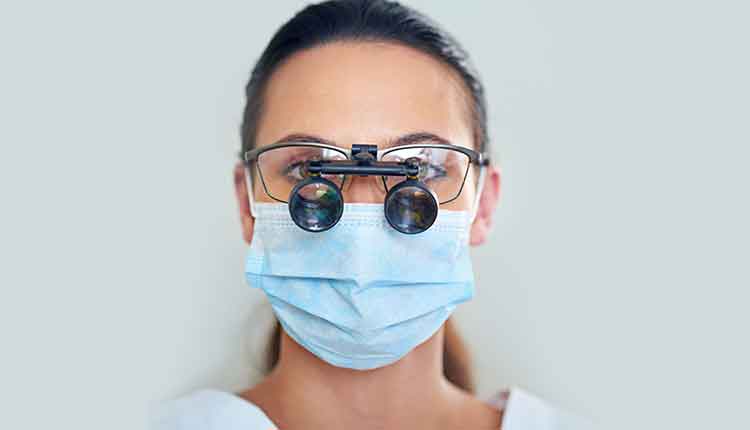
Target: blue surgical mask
{"type": "Point", "coordinates": [361, 295]}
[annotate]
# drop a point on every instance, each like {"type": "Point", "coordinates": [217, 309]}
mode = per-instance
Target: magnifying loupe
{"type": "Point", "coordinates": [316, 203]}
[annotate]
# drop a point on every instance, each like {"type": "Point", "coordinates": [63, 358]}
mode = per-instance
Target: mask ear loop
{"type": "Point", "coordinates": [250, 192]}
{"type": "Point", "coordinates": [480, 188]}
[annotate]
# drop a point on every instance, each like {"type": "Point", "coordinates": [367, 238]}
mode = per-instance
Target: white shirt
{"type": "Point", "coordinates": [211, 409]}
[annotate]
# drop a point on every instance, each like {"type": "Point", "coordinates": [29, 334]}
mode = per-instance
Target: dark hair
{"type": "Point", "coordinates": [376, 21]}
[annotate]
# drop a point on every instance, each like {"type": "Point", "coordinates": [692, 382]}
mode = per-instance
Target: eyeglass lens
{"type": "Point", "coordinates": [442, 170]}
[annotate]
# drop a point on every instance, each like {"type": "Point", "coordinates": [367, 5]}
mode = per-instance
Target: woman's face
{"type": "Point", "coordinates": [367, 92]}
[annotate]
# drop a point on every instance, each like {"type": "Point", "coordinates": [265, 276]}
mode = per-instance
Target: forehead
{"type": "Point", "coordinates": [350, 92]}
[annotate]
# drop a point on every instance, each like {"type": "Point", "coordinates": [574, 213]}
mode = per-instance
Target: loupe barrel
{"type": "Point", "coordinates": [316, 204]}
{"type": "Point", "coordinates": [353, 167]}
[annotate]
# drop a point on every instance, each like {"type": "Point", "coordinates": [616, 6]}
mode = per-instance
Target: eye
{"type": "Point", "coordinates": [429, 171]}
{"type": "Point", "coordinates": [293, 171]}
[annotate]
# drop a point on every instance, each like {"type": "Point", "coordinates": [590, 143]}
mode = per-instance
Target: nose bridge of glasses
{"type": "Point", "coordinates": [363, 189]}
{"type": "Point", "coordinates": [367, 188]}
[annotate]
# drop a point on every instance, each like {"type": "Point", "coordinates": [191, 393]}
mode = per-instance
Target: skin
{"type": "Point", "coordinates": [354, 92]}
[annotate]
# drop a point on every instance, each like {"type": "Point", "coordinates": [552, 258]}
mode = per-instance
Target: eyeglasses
{"type": "Point", "coordinates": [309, 177]}
{"type": "Point", "coordinates": [443, 167]}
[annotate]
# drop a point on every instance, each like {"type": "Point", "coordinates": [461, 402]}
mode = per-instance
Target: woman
{"type": "Point", "coordinates": [363, 295]}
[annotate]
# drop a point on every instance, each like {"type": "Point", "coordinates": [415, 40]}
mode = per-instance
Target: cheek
{"type": "Point", "coordinates": [466, 199]}
{"type": "Point", "coordinates": [258, 193]}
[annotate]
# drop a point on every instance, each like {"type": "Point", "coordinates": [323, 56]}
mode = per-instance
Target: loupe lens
{"type": "Point", "coordinates": [410, 207]}
{"type": "Point", "coordinates": [316, 204]}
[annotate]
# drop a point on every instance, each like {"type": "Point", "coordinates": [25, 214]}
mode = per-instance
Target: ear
{"type": "Point", "coordinates": [240, 187]}
{"type": "Point", "coordinates": [488, 201]}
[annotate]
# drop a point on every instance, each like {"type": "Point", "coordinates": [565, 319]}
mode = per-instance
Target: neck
{"type": "Point", "coordinates": [407, 391]}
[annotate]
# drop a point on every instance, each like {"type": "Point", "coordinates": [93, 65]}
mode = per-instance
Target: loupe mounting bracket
{"type": "Point", "coordinates": [363, 163]}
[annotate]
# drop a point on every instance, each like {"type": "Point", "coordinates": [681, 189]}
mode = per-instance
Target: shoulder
{"type": "Point", "coordinates": [523, 410]}
{"type": "Point", "coordinates": [208, 409]}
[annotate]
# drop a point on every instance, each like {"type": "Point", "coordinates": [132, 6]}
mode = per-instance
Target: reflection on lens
{"type": "Point", "coordinates": [442, 170]}
{"type": "Point", "coordinates": [282, 168]}
{"type": "Point", "coordinates": [410, 207]}
{"type": "Point", "coordinates": [316, 204]}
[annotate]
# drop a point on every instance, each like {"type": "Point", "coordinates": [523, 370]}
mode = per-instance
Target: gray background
{"type": "Point", "coordinates": [615, 282]}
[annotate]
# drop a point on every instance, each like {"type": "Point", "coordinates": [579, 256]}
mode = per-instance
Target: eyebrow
{"type": "Point", "coordinates": [406, 139]}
